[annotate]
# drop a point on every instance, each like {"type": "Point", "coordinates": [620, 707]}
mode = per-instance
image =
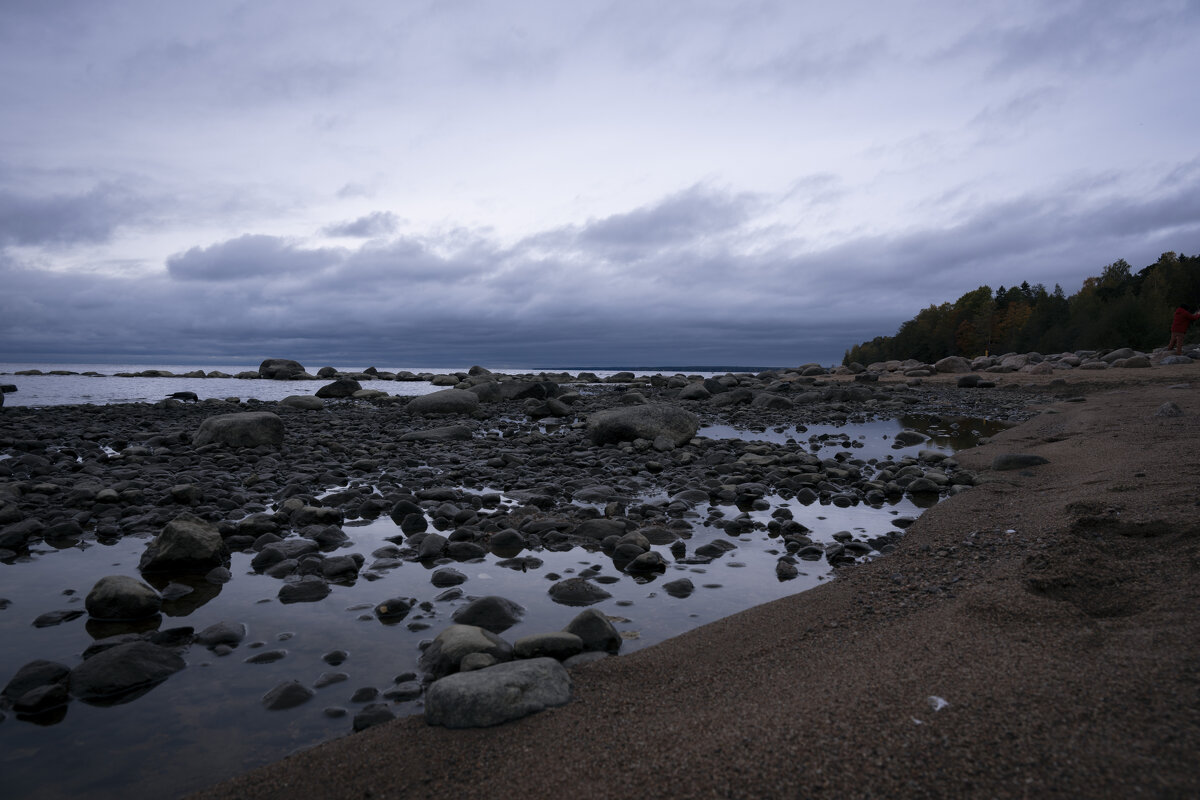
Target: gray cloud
{"type": "Point", "coordinates": [62, 219]}
{"type": "Point", "coordinates": [377, 223]}
{"type": "Point", "coordinates": [560, 299]}
{"type": "Point", "coordinates": [247, 257]}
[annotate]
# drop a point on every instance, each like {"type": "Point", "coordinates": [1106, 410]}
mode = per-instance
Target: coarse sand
{"type": "Point", "coordinates": [1034, 637]}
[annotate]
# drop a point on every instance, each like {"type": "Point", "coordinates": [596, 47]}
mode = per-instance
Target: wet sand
{"type": "Point", "coordinates": [1054, 610]}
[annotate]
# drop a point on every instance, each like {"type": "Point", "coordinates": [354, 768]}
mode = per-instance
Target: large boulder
{"type": "Point", "coordinates": [123, 669]}
{"type": "Point", "coordinates": [446, 652]}
{"type": "Point", "coordinates": [492, 613]}
{"type": "Point", "coordinates": [281, 369]}
{"type": "Point", "coordinates": [595, 631]}
{"type": "Point", "coordinates": [246, 429]}
{"type": "Point", "coordinates": [491, 696]}
{"type": "Point", "coordinates": [648, 422]}
{"type": "Point", "coordinates": [342, 387]}
{"type": "Point", "coordinates": [953, 364]}
{"type": "Point", "coordinates": [33, 675]}
{"type": "Point", "coordinates": [186, 544]}
{"type": "Point", "coordinates": [577, 592]}
{"type": "Point", "coordinates": [119, 597]}
{"type": "Point", "coordinates": [447, 401]}
{"type": "Point", "coordinates": [304, 402]}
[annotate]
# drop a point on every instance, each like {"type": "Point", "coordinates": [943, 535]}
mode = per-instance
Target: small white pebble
{"type": "Point", "coordinates": [937, 703]}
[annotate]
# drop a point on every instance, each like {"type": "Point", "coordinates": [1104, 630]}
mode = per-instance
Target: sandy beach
{"type": "Point", "coordinates": [1033, 637]}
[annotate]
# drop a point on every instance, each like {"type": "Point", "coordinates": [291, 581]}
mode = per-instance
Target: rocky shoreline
{"type": "Point", "coordinates": [609, 468]}
{"type": "Point", "coordinates": [1033, 637]}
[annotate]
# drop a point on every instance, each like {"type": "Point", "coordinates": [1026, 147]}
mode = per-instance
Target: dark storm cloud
{"type": "Point", "coordinates": [377, 223]}
{"type": "Point", "coordinates": [247, 257]}
{"type": "Point", "coordinates": [63, 219]}
{"type": "Point", "coordinates": [610, 293]}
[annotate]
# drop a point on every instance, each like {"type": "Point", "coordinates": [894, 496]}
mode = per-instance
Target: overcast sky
{"type": "Point", "coordinates": [571, 183]}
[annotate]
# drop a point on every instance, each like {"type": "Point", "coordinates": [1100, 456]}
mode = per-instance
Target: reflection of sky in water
{"type": "Point", "coordinates": [868, 440]}
{"type": "Point", "coordinates": [206, 722]}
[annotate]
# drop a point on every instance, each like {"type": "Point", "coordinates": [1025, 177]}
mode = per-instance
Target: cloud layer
{"type": "Point", "coordinates": [403, 184]}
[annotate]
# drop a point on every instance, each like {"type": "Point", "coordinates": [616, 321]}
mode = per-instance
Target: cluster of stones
{"type": "Point", "coordinates": [1028, 363]}
{"type": "Point", "coordinates": [573, 466]}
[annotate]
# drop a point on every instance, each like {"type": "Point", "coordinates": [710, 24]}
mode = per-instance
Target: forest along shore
{"type": "Point", "coordinates": [1035, 636]}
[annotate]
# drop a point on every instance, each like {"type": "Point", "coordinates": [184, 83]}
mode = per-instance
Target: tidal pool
{"type": "Point", "coordinates": [207, 722]}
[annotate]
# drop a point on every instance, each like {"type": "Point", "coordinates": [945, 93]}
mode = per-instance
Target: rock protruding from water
{"type": "Point", "coordinates": [342, 387]}
{"type": "Point", "coordinates": [577, 592]}
{"type": "Point", "coordinates": [119, 597]}
{"type": "Point", "coordinates": [452, 645]}
{"type": "Point", "coordinates": [495, 695]}
{"type": "Point", "coordinates": [281, 369]}
{"type": "Point", "coordinates": [186, 544]}
{"type": "Point", "coordinates": [246, 429]}
{"type": "Point", "coordinates": [654, 423]}
{"type": "Point", "coordinates": [595, 631]}
{"type": "Point", "coordinates": [492, 613]}
{"type": "Point", "coordinates": [123, 669]}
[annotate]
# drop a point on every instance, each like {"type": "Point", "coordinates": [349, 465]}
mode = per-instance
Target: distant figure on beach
{"type": "Point", "coordinates": [1179, 326]}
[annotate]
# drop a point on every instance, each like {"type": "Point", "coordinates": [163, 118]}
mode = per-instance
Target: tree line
{"type": "Point", "coordinates": [1118, 308]}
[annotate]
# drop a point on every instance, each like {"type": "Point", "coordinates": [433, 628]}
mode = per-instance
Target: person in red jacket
{"type": "Point", "coordinates": [1179, 326]}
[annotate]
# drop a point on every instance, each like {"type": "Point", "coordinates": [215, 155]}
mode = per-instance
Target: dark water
{"type": "Point", "coordinates": [207, 722]}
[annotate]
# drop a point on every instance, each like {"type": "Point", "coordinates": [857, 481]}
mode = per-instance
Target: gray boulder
{"type": "Point", "coordinates": [342, 387]}
{"type": "Point", "coordinates": [309, 589]}
{"type": "Point", "coordinates": [559, 645]}
{"type": "Point", "coordinates": [288, 694]}
{"type": "Point", "coordinates": [446, 652]}
{"type": "Point", "coordinates": [643, 422]}
{"type": "Point", "coordinates": [35, 674]}
{"type": "Point", "coordinates": [227, 633]}
{"type": "Point", "coordinates": [447, 401]}
{"type": "Point", "coordinates": [953, 364]}
{"type": "Point", "coordinates": [695, 391]}
{"type": "Point", "coordinates": [595, 631]}
{"type": "Point", "coordinates": [246, 429]}
{"type": "Point", "coordinates": [280, 369]}
{"type": "Point", "coordinates": [491, 696]}
{"type": "Point", "coordinates": [449, 433]}
{"type": "Point", "coordinates": [304, 402]}
{"type": "Point", "coordinates": [118, 597]}
{"type": "Point", "coordinates": [186, 544]}
{"type": "Point", "coordinates": [123, 669]}
{"type": "Point", "coordinates": [577, 592]}
{"type": "Point", "coordinates": [492, 613]}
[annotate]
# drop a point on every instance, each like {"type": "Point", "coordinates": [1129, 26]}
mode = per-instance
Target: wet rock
{"type": "Point", "coordinates": [309, 589]}
{"type": "Point", "coordinates": [342, 568]}
{"type": "Point", "coordinates": [785, 570]}
{"type": "Point", "coordinates": [395, 609]}
{"type": "Point", "coordinates": [35, 674]}
{"type": "Point", "coordinates": [281, 369]}
{"type": "Point", "coordinates": [600, 528]}
{"type": "Point", "coordinates": [492, 613]}
{"type": "Point", "coordinates": [559, 645]}
{"type": "Point", "coordinates": [442, 578]}
{"type": "Point", "coordinates": [498, 694]}
{"type": "Point", "coordinates": [577, 592]}
{"type": "Point", "coordinates": [52, 618]}
{"type": "Point", "coordinates": [908, 438]}
{"type": "Point", "coordinates": [245, 429]}
{"type": "Point", "coordinates": [683, 587]}
{"type": "Point", "coordinates": [287, 695]}
{"type": "Point", "coordinates": [17, 535]}
{"type": "Point", "coordinates": [266, 657]}
{"type": "Point", "coordinates": [226, 633]}
{"type": "Point", "coordinates": [118, 597]}
{"type": "Point", "coordinates": [42, 699]}
{"type": "Point", "coordinates": [186, 544]}
{"type": "Point", "coordinates": [374, 714]}
{"type": "Point", "coordinates": [446, 652]}
{"type": "Point", "coordinates": [646, 563]}
{"type": "Point", "coordinates": [643, 422]}
{"type": "Point", "coordinates": [342, 387]}
{"type": "Point", "coordinates": [124, 669]}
